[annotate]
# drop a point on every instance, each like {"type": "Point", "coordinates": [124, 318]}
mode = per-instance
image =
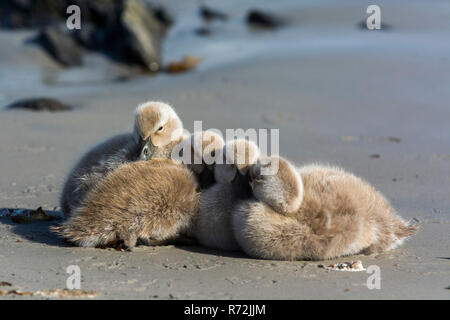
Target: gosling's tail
{"type": "Point", "coordinates": [85, 238]}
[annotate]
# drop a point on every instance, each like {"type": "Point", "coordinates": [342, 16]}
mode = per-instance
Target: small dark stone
{"type": "Point", "coordinates": [40, 104]}
{"type": "Point", "coordinates": [375, 156]}
{"type": "Point", "coordinates": [260, 19]}
{"type": "Point", "coordinates": [394, 139]}
{"type": "Point", "coordinates": [61, 46]}
{"type": "Point", "coordinates": [209, 14]}
{"type": "Point", "coordinates": [203, 31]}
{"type": "Point", "coordinates": [162, 16]}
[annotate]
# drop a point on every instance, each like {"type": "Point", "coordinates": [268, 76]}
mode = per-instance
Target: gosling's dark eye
{"type": "Point", "coordinates": [160, 128]}
{"type": "Point", "coordinates": [146, 151]}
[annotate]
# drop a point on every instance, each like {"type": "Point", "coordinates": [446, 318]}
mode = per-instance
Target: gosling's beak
{"type": "Point", "coordinates": [147, 149]}
{"type": "Point", "coordinates": [241, 185]}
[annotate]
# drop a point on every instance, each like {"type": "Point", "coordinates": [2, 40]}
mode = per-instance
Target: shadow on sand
{"type": "Point", "coordinates": [39, 232]}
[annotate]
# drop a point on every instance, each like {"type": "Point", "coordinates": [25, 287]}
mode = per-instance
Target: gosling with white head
{"type": "Point", "coordinates": [157, 128]}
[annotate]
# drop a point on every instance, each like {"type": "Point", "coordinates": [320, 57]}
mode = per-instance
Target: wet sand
{"type": "Point", "coordinates": [338, 94]}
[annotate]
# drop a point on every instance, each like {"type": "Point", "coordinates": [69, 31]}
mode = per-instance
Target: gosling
{"type": "Point", "coordinates": [157, 128]}
{"type": "Point", "coordinates": [314, 213]}
{"type": "Point", "coordinates": [212, 226]}
{"type": "Point", "coordinates": [155, 199]}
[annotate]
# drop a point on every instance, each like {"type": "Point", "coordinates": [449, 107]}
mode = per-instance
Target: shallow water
{"type": "Point", "coordinates": [313, 28]}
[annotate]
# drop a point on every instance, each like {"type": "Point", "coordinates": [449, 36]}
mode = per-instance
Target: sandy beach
{"type": "Point", "coordinates": [373, 102]}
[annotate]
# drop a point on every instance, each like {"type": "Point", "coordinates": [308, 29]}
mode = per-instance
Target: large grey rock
{"type": "Point", "coordinates": [140, 36]}
{"type": "Point", "coordinates": [128, 31]}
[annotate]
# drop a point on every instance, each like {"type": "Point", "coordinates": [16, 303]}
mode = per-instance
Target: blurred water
{"type": "Point", "coordinates": [419, 30]}
{"type": "Point", "coordinates": [313, 27]}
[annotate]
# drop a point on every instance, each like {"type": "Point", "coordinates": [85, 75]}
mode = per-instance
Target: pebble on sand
{"type": "Point", "coordinates": [261, 19]}
{"type": "Point", "coordinates": [40, 104]}
{"type": "Point", "coordinates": [209, 14]}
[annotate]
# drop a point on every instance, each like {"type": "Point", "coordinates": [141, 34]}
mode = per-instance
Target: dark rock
{"type": "Point", "coordinates": [162, 16]}
{"type": "Point", "coordinates": [138, 38]}
{"type": "Point", "coordinates": [260, 19]}
{"type": "Point", "coordinates": [203, 31]}
{"type": "Point", "coordinates": [40, 13]}
{"type": "Point", "coordinates": [61, 46]}
{"type": "Point", "coordinates": [209, 14]}
{"type": "Point", "coordinates": [40, 104]}
{"type": "Point", "coordinates": [30, 13]}
{"type": "Point", "coordinates": [102, 13]}
{"type": "Point", "coordinates": [128, 31]}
